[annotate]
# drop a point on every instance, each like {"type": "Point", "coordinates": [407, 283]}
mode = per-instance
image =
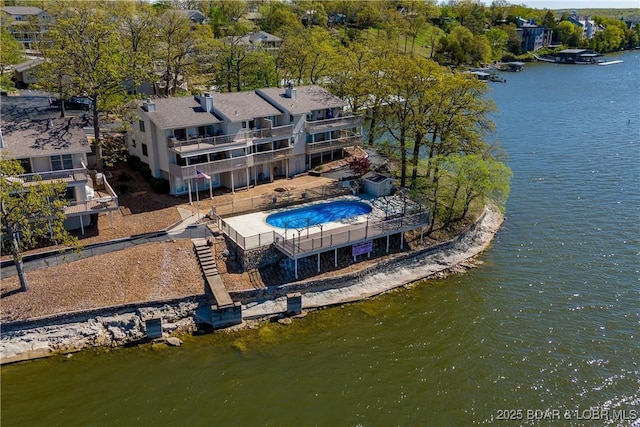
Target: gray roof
{"type": "Point", "coordinates": [192, 14]}
{"type": "Point", "coordinates": [172, 113]}
{"type": "Point", "coordinates": [260, 36]}
{"type": "Point", "coordinates": [308, 98]}
{"type": "Point", "coordinates": [27, 65]}
{"type": "Point", "coordinates": [22, 10]}
{"type": "Point", "coordinates": [239, 106]}
{"type": "Point", "coordinates": [26, 138]}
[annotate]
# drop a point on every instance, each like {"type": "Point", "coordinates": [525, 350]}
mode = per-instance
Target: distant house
{"type": "Point", "coordinates": [56, 150]}
{"type": "Point", "coordinates": [26, 23]}
{"type": "Point", "coordinates": [532, 36]}
{"type": "Point", "coordinates": [194, 16]}
{"type": "Point", "coordinates": [587, 26]}
{"type": "Point", "coordinates": [23, 73]}
{"type": "Point", "coordinates": [242, 138]}
{"type": "Point", "coordinates": [260, 40]}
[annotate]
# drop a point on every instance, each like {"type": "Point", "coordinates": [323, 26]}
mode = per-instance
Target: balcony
{"type": "Point", "coordinates": [347, 139]}
{"type": "Point", "coordinates": [228, 165]}
{"type": "Point", "coordinates": [271, 156]}
{"type": "Point", "coordinates": [218, 166]}
{"type": "Point", "coordinates": [227, 141]}
{"type": "Point", "coordinates": [104, 200]}
{"type": "Point", "coordinates": [207, 143]}
{"type": "Point", "coordinates": [68, 176]}
{"type": "Point", "coordinates": [346, 121]}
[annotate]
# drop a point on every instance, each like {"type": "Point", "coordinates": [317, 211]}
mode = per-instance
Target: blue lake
{"type": "Point", "coordinates": [548, 321]}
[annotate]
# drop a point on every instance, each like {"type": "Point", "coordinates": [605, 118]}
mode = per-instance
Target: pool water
{"type": "Point", "coordinates": [318, 214]}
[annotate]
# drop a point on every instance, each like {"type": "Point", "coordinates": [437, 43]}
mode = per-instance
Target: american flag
{"type": "Point", "coordinates": [200, 174]}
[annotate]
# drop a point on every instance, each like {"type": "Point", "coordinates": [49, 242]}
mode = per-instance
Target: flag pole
{"type": "Point", "coordinates": [197, 199]}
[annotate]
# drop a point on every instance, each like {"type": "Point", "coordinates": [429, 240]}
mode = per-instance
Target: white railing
{"type": "Point", "coordinates": [79, 174]}
{"type": "Point", "coordinates": [349, 120]}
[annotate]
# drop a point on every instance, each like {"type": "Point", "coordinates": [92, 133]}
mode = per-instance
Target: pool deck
{"type": "Point", "coordinates": [256, 223]}
{"type": "Point", "coordinates": [252, 230]}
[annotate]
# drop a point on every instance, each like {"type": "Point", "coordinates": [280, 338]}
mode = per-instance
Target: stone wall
{"type": "Point", "coordinates": [464, 239]}
{"type": "Point", "coordinates": [112, 327]}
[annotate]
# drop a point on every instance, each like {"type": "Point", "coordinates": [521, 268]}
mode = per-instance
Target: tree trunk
{"type": "Point", "coordinates": [414, 160]}
{"type": "Point", "coordinates": [17, 259]}
{"type": "Point", "coordinates": [372, 126]}
{"type": "Point", "coordinates": [403, 161]}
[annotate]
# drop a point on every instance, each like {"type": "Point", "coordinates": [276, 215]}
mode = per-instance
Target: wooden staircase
{"type": "Point", "coordinates": [210, 271]}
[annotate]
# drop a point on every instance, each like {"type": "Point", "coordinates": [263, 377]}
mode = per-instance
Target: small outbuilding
{"type": "Point", "coordinates": [377, 184]}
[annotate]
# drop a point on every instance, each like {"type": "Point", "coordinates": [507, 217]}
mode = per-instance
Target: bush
{"type": "Point", "coordinates": [160, 185]}
{"type": "Point", "coordinates": [134, 162]}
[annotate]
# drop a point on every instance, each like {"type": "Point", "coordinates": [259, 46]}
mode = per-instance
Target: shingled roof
{"type": "Point", "coordinates": [307, 99]}
{"type": "Point", "coordinates": [26, 138]}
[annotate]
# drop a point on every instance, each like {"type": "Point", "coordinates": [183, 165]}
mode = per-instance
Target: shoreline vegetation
{"type": "Point", "coordinates": [125, 325]}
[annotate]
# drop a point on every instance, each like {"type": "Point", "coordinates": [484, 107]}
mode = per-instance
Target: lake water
{"type": "Point", "coordinates": [549, 322]}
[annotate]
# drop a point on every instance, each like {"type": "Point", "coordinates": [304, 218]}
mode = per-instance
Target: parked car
{"type": "Point", "coordinates": [73, 103]}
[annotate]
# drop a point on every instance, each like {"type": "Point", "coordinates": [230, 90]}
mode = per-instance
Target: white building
{"type": "Point", "coordinates": [56, 150]}
{"type": "Point", "coordinates": [243, 138]}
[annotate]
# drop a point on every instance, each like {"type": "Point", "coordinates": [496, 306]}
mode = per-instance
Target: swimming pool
{"type": "Point", "coordinates": [318, 214]}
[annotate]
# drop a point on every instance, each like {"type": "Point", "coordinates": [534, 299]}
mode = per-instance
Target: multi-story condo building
{"type": "Point", "coordinates": [26, 23]}
{"type": "Point", "coordinates": [56, 150]}
{"type": "Point", "coordinates": [243, 138]}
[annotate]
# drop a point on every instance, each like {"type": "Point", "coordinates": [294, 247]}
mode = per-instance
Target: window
{"type": "Point", "coordinates": [244, 125]}
{"type": "Point", "coordinates": [26, 165]}
{"type": "Point", "coordinates": [141, 125]}
{"type": "Point", "coordinates": [145, 152]}
{"type": "Point", "coordinates": [61, 162]}
{"type": "Point", "coordinates": [291, 119]}
{"type": "Point", "coordinates": [133, 143]}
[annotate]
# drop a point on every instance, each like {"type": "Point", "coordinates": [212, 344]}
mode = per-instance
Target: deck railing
{"type": "Point", "coordinates": [299, 243]}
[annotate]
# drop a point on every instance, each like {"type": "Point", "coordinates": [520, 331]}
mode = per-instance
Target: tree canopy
{"type": "Point", "coordinates": [30, 214]}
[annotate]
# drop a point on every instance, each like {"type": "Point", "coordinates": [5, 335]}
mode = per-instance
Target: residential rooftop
{"type": "Point", "coordinates": [25, 138]}
{"type": "Point", "coordinates": [307, 99]}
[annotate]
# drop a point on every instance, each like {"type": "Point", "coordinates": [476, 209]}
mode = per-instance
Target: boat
{"type": "Point", "coordinates": [611, 62]}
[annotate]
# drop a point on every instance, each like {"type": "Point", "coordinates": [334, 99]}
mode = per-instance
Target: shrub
{"type": "Point", "coordinates": [360, 165]}
{"type": "Point", "coordinates": [160, 185]}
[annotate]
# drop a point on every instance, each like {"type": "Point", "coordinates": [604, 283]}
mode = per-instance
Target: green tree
{"type": "Point", "coordinates": [473, 178]}
{"type": "Point", "coordinates": [181, 45]}
{"type": "Point", "coordinates": [498, 40]}
{"type": "Point", "coordinates": [279, 19]}
{"type": "Point", "coordinates": [10, 54]}
{"type": "Point", "coordinates": [30, 214]}
{"type": "Point", "coordinates": [85, 48]}
{"type": "Point", "coordinates": [309, 56]}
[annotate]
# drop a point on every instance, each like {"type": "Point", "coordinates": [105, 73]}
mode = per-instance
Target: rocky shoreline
{"type": "Point", "coordinates": [118, 326]}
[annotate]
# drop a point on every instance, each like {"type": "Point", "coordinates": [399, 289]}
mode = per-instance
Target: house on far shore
{"type": "Point", "coordinates": [56, 149]}
{"type": "Point", "coordinates": [532, 36]}
{"type": "Point", "coordinates": [239, 139]}
{"type": "Point", "coordinates": [585, 24]}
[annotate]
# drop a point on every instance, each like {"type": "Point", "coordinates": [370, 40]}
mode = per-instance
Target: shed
{"type": "Point", "coordinates": [377, 185]}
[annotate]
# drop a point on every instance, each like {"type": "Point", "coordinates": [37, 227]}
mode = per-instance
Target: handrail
{"type": "Point", "coordinates": [52, 175]}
